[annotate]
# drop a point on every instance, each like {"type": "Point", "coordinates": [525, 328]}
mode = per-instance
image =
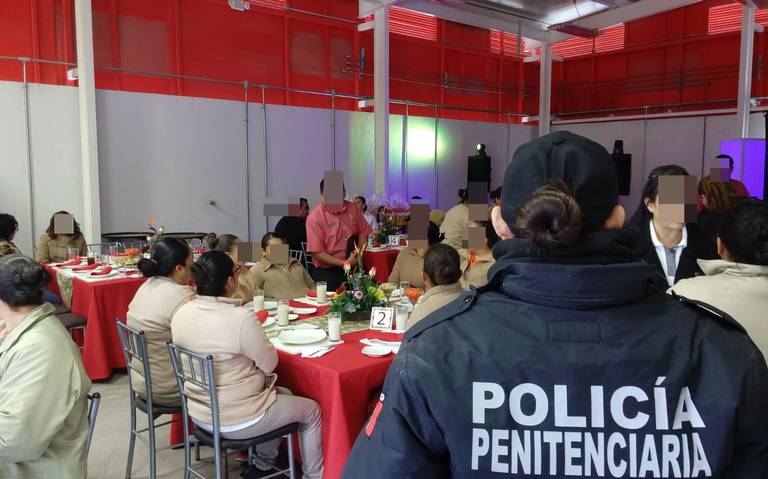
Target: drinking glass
{"type": "Point", "coordinates": [72, 253]}
{"type": "Point", "coordinates": [282, 313]}
{"type": "Point", "coordinates": [404, 285]}
{"type": "Point", "coordinates": [322, 290]}
{"type": "Point", "coordinates": [258, 300]}
{"type": "Point", "coordinates": [401, 317]}
{"type": "Point", "coordinates": [334, 326]}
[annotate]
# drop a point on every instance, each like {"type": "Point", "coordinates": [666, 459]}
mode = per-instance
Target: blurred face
{"type": "Point", "coordinates": [360, 205]}
{"type": "Point", "coordinates": [268, 249]}
{"type": "Point", "coordinates": [660, 218]}
{"type": "Point", "coordinates": [183, 274]}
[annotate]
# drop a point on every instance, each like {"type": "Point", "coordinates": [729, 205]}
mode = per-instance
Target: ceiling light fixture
{"type": "Point", "coordinates": [239, 5]}
{"type": "Point", "coordinates": [575, 30]}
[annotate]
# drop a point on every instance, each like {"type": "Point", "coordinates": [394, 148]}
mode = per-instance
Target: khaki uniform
{"type": "Point", "coordinates": [151, 311]}
{"type": "Point", "coordinates": [433, 299]}
{"type": "Point", "coordinates": [476, 275]}
{"type": "Point", "coordinates": [7, 248]}
{"type": "Point", "coordinates": [409, 266]}
{"type": "Point", "coordinates": [55, 250]}
{"type": "Point", "coordinates": [454, 225]}
{"type": "Point", "coordinates": [43, 401]}
{"type": "Point", "coordinates": [244, 358]}
{"type": "Point", "coordinates": [739, 290]}
{"type": "Point", "coordinates": [279, 281]}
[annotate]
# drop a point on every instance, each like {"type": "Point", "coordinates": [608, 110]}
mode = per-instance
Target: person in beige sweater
{"type": "Point", "coordinates": [54, 248]}
{"type": "Point", "coordinates": [455, 223]}
{"type": "Point", "coordinates": [475, 262]}
{"type": "Point", "coordinates": [737, 284]}
{"type": "Point", "coordinates": [43, 385]}
{"type": "Point", "coordinates": [245, 360]}
{"type": "Point", "coordinates": [228, 243]}
{"type": "Point", "coordinates": [8, 229]}
{"type": "Point", "coordinates": [152, 310]}
{"type": "Point", "coordinates": [409, 265]}
{"type": "Point", "coordinates": [441, 276]}
{"type": "Point", "coordinates": [279, 281]}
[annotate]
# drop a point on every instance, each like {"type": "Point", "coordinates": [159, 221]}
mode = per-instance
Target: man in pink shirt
{"type": "Point", "coordinates": [329, 229]}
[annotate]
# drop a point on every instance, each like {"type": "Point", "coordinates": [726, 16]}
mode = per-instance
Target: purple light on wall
{"type": "Point", "coordinates": [748, 162]}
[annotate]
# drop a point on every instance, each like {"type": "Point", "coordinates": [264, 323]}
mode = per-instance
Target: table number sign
{"type": "Point", "coordinates": [381, 318]}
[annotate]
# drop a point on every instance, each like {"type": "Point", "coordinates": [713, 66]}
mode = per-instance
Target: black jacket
{"type": "Point", "coordinates": [294, 230]}
{"type": "Point", "coordinates": [700, 246]}
{"type": "Point", "coordinates": [575, 369]}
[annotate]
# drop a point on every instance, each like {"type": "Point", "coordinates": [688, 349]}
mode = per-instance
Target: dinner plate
{"type": "Point", "coordinates": [268, 322]}
{"type": "Point", "coordinates": [302, 336]}
{"type": "Point", "coordinates": [291, 317]}
{"type": "Point", "coordinates": [375, 352]}
{"type": "Point", "coordinates": [303, 310]}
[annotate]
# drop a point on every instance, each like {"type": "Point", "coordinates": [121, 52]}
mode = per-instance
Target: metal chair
{"type": "Point", "coordinates": [307, 258]}
{"type": "Point", "coordinates": [93, 409]}
{"type": "Point", "coordinates": [199, 371]}
{"type": "Point", "coordinates": [70, 320]}
{"type": "Point", "coordinates": [297, 255]}
{"type": "Point", "coordinates": [135, 347]}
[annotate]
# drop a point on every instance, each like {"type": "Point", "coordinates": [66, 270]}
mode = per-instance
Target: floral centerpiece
{"type": "Point", "coordinates": [359, 294]}
{"type": "Point", "coordinates": [386, 228]}
{"type": "Point", "coordinates": [157, 235]}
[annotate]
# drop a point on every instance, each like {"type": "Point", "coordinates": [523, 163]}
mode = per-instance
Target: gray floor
{"type": "Point", "coordinates": [109, 448]}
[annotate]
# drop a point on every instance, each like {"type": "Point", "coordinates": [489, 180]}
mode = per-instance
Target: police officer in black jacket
{"type": "Point", "coordinates": [570, 362]}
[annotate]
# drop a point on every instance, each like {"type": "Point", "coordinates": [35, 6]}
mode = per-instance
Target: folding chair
{"type": "Point", "coordinates": [307, 258]}
{"type": "Point", "coordinates": [199, 370]}
{"type": "Point", "coordinates": [297, 255]}
{"type": "Point", "coordinates": [135, 347]}
{"type": "Point", "coordinates": [93, 409]}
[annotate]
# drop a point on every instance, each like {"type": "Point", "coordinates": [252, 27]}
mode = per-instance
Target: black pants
{"type": "Point", "coordinates": [333, 276]}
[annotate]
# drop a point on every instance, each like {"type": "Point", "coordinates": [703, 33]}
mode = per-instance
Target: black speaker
{"type": "Point", "coordinates": [479, 168]}
{"type": "Point", "coordinates": [623, 162]}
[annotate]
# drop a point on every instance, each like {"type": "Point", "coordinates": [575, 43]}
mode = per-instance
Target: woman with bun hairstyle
{"type": "Point", "coordinates": [737, 284]}
{"type": "Point", "coordinates": [442, 271]}
{"type": "Point", "coordinates": [571, 333]}
{"type": "Point", "coordinates": [152, 310]}
{"type": "Point", "coordinates": [228, 244]}
{"type": "Point", "coordinates": [456, 221]}
{"type": "Point", "coordinates": [43, 385]}
{"type": "Point", "coordinates": [672, 247]}
{"type": "Point", "coordinates": [245, 360]}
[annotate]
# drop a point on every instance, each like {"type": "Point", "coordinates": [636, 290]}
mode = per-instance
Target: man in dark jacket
{"type": "Point", "coordinates": [570, 362]}
{"type": "Point", "coordinates": [294, 228]}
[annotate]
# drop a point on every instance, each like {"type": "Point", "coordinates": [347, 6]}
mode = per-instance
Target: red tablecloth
{"type": "Point", "coordinates": [342, 382]}
{"type": "Point", "coordinates": [384, 261]}
{"type": "Point", "coordinates": [100, 303]}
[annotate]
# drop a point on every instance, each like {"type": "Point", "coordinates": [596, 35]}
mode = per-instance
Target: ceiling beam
{"type": "Point", "coordinates": [614, 3]}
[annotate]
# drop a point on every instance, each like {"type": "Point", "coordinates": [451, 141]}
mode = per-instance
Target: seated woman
{"type": "Point", "coordinates": [228, 244]}
{"type": "Point", "coordinates": [8, 228]}
{"type": "Point", "coordinates": [475, 262]}
{"type": "Point", "coordinates": [279, 281]}
{"type": "Point", "coordinates": [151, 311]}
{"type": "Point", "coordinates": [441, 278]}
{"type": "Point", "coordinates": [737, 284]}
{"type": "Point", "coordinates": [43, 385]}
{"type": "Point", "coordinates": [249, 403]}
{"type": "Point", "coordinates": [54, 248]}
{"type": "Point", "coordinates": [409, 265]}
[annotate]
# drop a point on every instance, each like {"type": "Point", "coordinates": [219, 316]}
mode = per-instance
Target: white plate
{"type": "Point", "coordinates": [268, 322]}
{"type": "Point", "coordinates": [304, 326]}
{"type": "Point", "coordinates": [304, 310]}
{"type": "Point", "coordinates": [375, 352]}
{"type": "Point", "coordinates": [268, 305]}
{"type": "Point", "coordinates": [302, 336]}
{"type": "Point", "coordinates": [291, 317]}
{"type": "Point", "coordinates": [108, 275]}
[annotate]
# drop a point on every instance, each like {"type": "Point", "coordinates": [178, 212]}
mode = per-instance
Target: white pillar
{"type": "Point", "coordinates": [381, 97]}
{"type": "Point", "coordinates": [545, 89]}
{"type": "Point", "coordinates": [88, 140]}
{"type": "Point", "coordinates": [745, 70]}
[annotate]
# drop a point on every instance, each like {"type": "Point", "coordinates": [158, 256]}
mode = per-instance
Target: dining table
{"type": "Point", "coordinates": [100, 300]}
{"type": "Point", "coordinates": [383, 259]}
{"type": "Point", "coordinates": [344, 382]}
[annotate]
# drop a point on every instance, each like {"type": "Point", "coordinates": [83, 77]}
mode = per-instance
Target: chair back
{"type": "Point", "coordinates": [307, 256]}
{"type": "Point", "coordinates": [135, 347]}
{"type": "Point", "coordinates": [93, 409]}
{"type": "Point", "coordinates": [199, 371]}
{"type": "Point", "coordinates": [296, 255]}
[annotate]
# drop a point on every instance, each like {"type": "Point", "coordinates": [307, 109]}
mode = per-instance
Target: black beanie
{"type": "Point", "coordinates": [585, 166]}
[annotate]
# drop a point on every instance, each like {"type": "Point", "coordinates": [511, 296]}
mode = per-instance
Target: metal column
{"type": "Point", "coordinates": [745, 70]}
{"type": "Point", "coordinates": [545, 90]}
{"type": "Point", "coordinates": [381, 98]}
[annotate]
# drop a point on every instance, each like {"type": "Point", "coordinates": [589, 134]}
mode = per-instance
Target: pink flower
{"type": "Point", "coordinates": [347, 266]}
{"type": "Point", "coordinates": [372, 272]}
{"type": "Point", "coordinates": [358, 295]}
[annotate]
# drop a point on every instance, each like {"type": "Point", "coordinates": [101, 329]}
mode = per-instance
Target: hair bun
{"type": "Point", "coordinates": [551, 217]}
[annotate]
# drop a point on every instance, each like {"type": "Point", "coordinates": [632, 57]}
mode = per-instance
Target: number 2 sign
{"type": "Point", "coordinates": [381, 318]}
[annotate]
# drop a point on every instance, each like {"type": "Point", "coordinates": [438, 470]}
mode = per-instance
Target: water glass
{"type": "Point", "coordinates": [72, 253]}
{"type": "Point", "coordinates": [258, 300]}
{"type": "Point", "coordinates": [282, 313]}
{"type": "Point", "coordinates": [401, 317]}
{"type": "Point", "coordinates": [322, 291]}
{"type": "Point", "coordinates": [334, 326]}
{"type": "Point", "coordinates": [404, 285]}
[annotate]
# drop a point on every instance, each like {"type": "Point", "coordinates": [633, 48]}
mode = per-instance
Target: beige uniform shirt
{"type": "Point", "coordinates": [55, 250]}
{"type": "Point", "coordinates": [476, 275]}
{"type": "Point", "coordinates": [454, 225]}
{"type": "Point", "coordinates": [7, 248]}
{"type": "Point", "coordinates": [43, 401]}
{"type": "Point", "coordinates": [151, 311]}
{"type": "Point", "coordinates": [433, 299]}
{"type": "Point", "coordinates": [279, 281]}
{"type": "Point", "coordinates": [409, 266]}
{"type": "Point", "coordinates": [740, 290]}
{"type": "Point", "coordinates": [245, 360]}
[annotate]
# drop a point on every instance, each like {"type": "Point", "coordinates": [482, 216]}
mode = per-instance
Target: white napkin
{"type": "Point", "coordinates": [393, 346]}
